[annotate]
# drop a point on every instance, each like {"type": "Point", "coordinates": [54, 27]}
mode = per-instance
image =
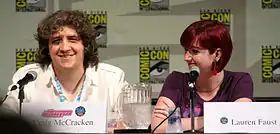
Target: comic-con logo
{"type": "Point", "coordinates": [154, 5]}
{"type": "Point", "coordinates": [269, 4]}
{"type": "Point", "coordinates": [224, 120]}
{"type": "Point", "coordinates": [154, 64]}
{"type": "Point", "coordinates": [221, 15]}
{"type": "Point", "coordinates": [99, 23]}
{"type": "Point", "coordinates": [30, 5]}
{"type": "Point", "coordinates": [270, 64]}
{"type": "Point", "coordinates": [80, 111]}
{"type": "Point", "coordinates": [25, 56]}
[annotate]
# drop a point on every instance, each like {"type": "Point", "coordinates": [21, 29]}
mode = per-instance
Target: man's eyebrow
{"type": "Point", "coordinates": [72, 36]}
{"type": "Point", "coordinates": [55, 36]}
{"type": "Point", "coordinates": [68, 36]}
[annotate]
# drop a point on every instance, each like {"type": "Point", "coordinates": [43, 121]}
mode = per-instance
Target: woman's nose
{"type": "Point", "coordinates": [188, 56]}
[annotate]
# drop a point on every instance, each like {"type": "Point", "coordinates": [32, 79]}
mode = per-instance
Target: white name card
{"type": "Point", "coordinates": [242, 117]}
{"type": "Point", "coordinates": [67, 117]}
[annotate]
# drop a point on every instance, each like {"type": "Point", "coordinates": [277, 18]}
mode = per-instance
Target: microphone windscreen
{"type": "Point", "coordinates": [34, 75]}
{"type": "Point", "coordinates": [195, 69]}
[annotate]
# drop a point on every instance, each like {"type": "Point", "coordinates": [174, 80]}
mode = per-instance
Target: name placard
{"type": "Point", "coordinates": [241, 117]}
{"type": "Point", "coordinates": [67, 117]}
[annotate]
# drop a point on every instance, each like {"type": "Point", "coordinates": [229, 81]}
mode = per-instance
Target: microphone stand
{"type": "Point", "coordinates": [20, 97]}
{"type": "Point", "coordinates": [191, 109]}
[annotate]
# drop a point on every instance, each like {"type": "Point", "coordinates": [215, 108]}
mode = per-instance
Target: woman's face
{"type": "Point", "coordinates": [200, 57]}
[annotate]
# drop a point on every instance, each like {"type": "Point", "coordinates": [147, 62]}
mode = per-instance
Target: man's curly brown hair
{"type": "Point", "coordinates": [75, 19]}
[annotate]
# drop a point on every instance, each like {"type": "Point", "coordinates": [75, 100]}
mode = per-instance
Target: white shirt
{"type": "Point", "coordinates": [103, 84]}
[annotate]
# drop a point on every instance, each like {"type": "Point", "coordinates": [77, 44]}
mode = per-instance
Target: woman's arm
{"type": "Point", "coordinates": [161, 112]}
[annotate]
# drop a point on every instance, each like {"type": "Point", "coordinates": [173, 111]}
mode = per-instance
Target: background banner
{"type": "Point", "coordinates": [99, 23]}
{"type": "Point", "coordinates": [25, 56]}
{"type": "Point", "coordinates": [221, 15]}
{"type": "Point", "coordinates": [268, 4]}
{"type": "Point", "coordinates": [129, 27]}
{"type": "Point", "coordinates": [270, 64]}
{"type": "Point", "coordinates": [153, 5]}
{"type": "Point", "coordinates": [154, 64]}
{"type": "Point", "coordinates": [30, 5]}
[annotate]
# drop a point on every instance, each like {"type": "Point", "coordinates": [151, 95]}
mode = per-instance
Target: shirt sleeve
{"type": "Point", "coordinates": [172, 86]}
{"type": "Point", "coordinates": [11, 103]}
{"type": "Point", "coordinates": [244, 88]}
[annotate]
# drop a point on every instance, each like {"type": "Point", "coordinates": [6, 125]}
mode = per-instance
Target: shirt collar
{"type": "Point", "coordinates": [91, 74]}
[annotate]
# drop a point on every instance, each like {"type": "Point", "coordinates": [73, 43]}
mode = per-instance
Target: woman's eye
{"type": "Point", "coordinates": [194, 51]}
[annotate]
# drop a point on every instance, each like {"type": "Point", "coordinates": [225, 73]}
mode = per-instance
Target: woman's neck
{"type": "Point", "coordinates": [70, 79]}
{"type": "Point", "coordinates": [208, 82]}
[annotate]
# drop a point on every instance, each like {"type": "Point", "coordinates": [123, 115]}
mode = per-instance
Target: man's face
{"type": "Point", "coordinates": [66, 49]}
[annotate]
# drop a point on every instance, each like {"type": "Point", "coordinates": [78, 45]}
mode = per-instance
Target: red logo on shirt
{"type": "Point", "coordinates": [57, 113]}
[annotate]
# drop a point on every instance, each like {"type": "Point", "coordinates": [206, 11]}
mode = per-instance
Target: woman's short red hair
{"type": "Point", "coordinates": [209, 34]}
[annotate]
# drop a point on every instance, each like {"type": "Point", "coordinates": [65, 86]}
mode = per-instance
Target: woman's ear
{"type": "Point", "coordinates": [218, 54]}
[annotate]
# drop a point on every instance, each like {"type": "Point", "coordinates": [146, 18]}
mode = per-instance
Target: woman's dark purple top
{"type": "Point", "coordinates": [235, 85]}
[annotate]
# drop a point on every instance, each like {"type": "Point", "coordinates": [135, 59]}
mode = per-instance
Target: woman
{"type": "Point", "coordinates": [68, 68]}
{"type": "Point", "coordinates": [208, 46]}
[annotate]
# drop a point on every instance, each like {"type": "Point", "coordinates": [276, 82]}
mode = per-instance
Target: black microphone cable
{"type": "Point", "coordinates": [2, 101]}
{"type": "Point", "coordinates": [177, 105]}
{"type": "Point", "coordinates": [164, 119]}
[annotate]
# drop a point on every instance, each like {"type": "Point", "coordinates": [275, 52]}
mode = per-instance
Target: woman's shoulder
{"type": "Point", "coordinates": [176, 76]}
{"type": "Point", "coordinates": [238, 85]}
{"type": "Point", "coordinates": [237, 79]}
{"type": "Point", "coordinates": [175, 79]}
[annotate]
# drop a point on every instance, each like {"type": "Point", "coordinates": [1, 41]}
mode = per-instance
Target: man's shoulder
{"type": "Point", "coordinates": [104, 69]}
{"type": "Point", "coordinates": [30, 67]}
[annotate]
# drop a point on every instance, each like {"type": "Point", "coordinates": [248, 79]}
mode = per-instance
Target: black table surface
{"type": "Point", "coordinates": [132, 131]}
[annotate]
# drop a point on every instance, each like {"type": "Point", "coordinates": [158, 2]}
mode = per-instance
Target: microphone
{"type": "Point", "coordinates": [30, 76]}
{"type": "Point", "coordinates": [194, 73]}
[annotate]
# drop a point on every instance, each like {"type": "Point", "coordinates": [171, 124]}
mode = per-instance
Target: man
{"type": "Point", "coordinates": [68, 68]}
